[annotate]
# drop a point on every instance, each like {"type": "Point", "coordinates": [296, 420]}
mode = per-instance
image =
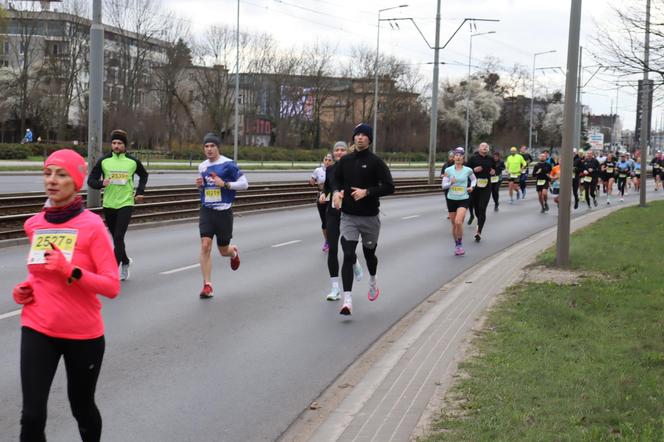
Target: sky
{"type": "Point", "coordinates": [525, 27]}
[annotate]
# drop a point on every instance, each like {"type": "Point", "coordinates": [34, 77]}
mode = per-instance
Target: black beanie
{"type": "Point", "coordinates": [364, 129]}
{"type": "Point", "coordinates": [121, 135]}
{"type": "Point", "coordinates": [211, 137]}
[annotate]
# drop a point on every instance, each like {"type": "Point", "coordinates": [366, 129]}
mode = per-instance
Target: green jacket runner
{"type": "Point", "coordinates": [120, 170]}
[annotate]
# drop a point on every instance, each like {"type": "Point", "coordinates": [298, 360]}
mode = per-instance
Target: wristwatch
{"type": "Point", "coordinates": [227, 185]}
{"type": "Point", "coordinates": [76, 274]}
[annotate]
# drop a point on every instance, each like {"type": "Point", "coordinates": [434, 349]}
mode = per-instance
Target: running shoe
{"type": "Point", "coordinates": [461, 251]}
{"type": "Point", "coordinates": [235, 261]}
{"type": "Point", "coordinates": [546, 206]}
{"type": "Point", "coordinates": [374, 293]}
{"type": "Point", "coordinates": [457, 251]}
{"type": "Point", "coordinates": [347, 308]}
{"type": "Point", "coordinates": [207, 292]}
{"type": "Point", "coordinates": [357, 271]}
{"type": "Point", "coordinates": [334, 295]}
{"type": "Point", "coordinates": [543, 210]}
{"type": "Point", "coordinates": [495, 208]}
{"type": "Point", "coordinates": [595, 202]}
{"type": "Point", "coordinates": [478, 237]}
{"type": "Point", "coordinates": [124, 270]}
{"type": "Point", "coordinates": [326, 247]}
{"type": "Point", "coordinates": [576, 204]}
{"type": "Point", "coordinates": [622, 200]}
{"type": "Point", "coordinates": [471, 219]}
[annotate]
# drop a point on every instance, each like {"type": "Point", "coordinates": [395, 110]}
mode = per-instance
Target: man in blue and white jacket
{"type": "Point", "coordinates": [219, 179]}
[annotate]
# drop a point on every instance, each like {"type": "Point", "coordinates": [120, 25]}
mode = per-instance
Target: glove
{"type": "Point", "coordinates": [23, 293]}
{"type": "Point", "coordinates": [56, 262]}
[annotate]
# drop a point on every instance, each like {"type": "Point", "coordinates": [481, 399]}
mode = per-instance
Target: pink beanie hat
{"type": "Point", "coordinates": [72, 162]}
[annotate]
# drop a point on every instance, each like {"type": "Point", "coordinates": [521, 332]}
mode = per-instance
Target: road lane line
{"type": "Point", "coordinates": [10, 314]}
{"type": "Point", "coordinates": [179, 269]}
{"type": "Point", "coordinates": [411, 217]}
{"type": "Point", "coordinates": [287, 243]}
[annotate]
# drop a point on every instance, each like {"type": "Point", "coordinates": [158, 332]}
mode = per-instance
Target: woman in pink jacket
{"type": "Point", "coordinates": [70, 262]}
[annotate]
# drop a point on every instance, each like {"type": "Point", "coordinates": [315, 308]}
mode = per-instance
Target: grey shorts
{"type": "Point", "coordinates": [353, 226]}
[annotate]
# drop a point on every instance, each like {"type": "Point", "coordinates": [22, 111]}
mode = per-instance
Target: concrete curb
{"type": "Point", "coordinates": [395, 389]}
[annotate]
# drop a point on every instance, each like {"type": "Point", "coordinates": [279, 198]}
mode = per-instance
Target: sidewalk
{"type": "Point", "coordinates": [393, 391]}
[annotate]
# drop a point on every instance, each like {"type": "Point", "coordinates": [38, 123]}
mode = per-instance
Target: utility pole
{"type": "Point", "coordinates": [434, 101]}
{"type": "Point", "coordinates": [237, 84]}
{"type": "Point", "coordinates": [566, 157]}
{"type": "Point", "coordinates": [96, 97]}
{"type": "Point", "coordinates": [645, 111]}
{"type": "Point", "coordinates": [579, 104]}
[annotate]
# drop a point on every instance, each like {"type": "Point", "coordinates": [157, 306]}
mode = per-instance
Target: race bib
{"type": "Point", "coordinates": [118, 177]}
{"type": "Point", "coordinates": [482, 182]}
{"type": "Point", "coordinates": [623, 175]}
{"type": "Point", "coordinates": [541, 182]}
{"type": "Point", "coordinates": [514, 175]}
{"type": "Point", "coordinates": [458, 190]}
{"type": "Point", "coordinates": [212, 195]}
{"type": "Point", "coordinates": [587, 178]}
{"type": "Point", "coordinates": [638, 173]}
{"type": "Point", "coordinates": [655, 166]}
{"type": "Point", "coordinates": [494, 179]}
{"type": "Point", "coordinates": [64, 239]}
{"type": "Point", "coordinates": [609, 170]}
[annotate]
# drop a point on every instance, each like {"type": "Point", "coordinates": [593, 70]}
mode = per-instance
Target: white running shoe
{"type": "Point", "coordinates": [347, 308]}
{"type": "Point", "coordinates": [358, 272]}
{"type": "Point", "coordinates": [334, 295]}
{"type": "Point", "coordinates": [124, 270]}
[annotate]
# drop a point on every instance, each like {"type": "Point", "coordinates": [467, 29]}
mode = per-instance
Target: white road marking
{"type": "Point", "coordinates": [287, 243]}
{"type": "Point", "coordinates": [10, 314]}
{"type": "Point", "coordinates": [179, 269]}
{"type": "Point", "coordinates": [411, 217]}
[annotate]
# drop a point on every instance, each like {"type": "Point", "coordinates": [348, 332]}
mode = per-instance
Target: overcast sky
{"type": "Point", "coordinates": [525, 27]}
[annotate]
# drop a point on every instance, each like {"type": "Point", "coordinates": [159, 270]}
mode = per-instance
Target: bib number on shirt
{"type": "Point", "coordinates": [622, 175]}
{"type": "Point", "coordinates": [482, 182]}
{"type": "Point", "coordinates": [118, 177]}
{"type": "Point", "coordinates": [587, 179]}
{"type": "Point", "coordinates": [64, 239]}
{"type": "Point", "coordinates": [457, 190]}
{"type": "Point", "coordinates": [609, 170]}
{"type": "Point", "coordinates": [541, 182]}
{"type": "Point", "coordinates": [494, 179]}
{"type": "Point", "coordinates": [212, 195]}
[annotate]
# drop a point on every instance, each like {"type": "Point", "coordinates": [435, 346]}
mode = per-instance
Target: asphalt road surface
{"type": "Point", "coordinates": [31, 181]}
{"type": "Point", "coordinates": [243, 365]}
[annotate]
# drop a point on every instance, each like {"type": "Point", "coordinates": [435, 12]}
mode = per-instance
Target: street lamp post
{"type": "Point", "coordinates": [532, 98]}
{"type": "Point", "coordinates": [375, 102]}
{"type": "Point", "coordinates": [96, 97]}
{"type": "Point", "coordinates": [470, 55]}
{"type": "Point", "coordinates": [236, 123]}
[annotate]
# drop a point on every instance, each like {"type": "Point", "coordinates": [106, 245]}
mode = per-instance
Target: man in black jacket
{"type": "Point", "coordinates": [361, 178]}
{"type": "Point", "coordinates": [484, 167]}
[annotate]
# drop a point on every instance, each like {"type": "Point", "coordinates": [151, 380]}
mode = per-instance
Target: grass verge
{"type": "Point", "coordinates": [582, 362]}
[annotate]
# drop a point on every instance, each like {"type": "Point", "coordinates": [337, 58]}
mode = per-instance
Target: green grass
{"type": "Point", "coordinates": [574, 362]}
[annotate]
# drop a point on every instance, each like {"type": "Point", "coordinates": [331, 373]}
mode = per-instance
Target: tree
{"type": "Point", "coordinates": [484, 107]}
{"type": "Point", "coordinates": [552, 125]}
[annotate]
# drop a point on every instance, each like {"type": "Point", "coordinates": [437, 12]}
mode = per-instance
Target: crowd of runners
{"type": "Point", "coordinates": [75, 256]}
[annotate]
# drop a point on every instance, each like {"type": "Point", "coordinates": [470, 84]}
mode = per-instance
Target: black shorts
{"type": "Point", "coordinates": [453, 205]}
{"type": "Point", "coordinates": [216, 222]}
{"type": "Point", "coordinates": [544, 187]}
{"type": "Point", "coordinates": [513, 180]}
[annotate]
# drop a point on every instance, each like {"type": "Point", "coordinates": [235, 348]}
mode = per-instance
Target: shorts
{"type": "Point", "coordinates": [540, 188]}
{"type": "Point", "coordinates": [354, 226]}
{"type": "Point", "coordinates": [555, 190]}
{"type": "Point", "coordinates": [513, 179]}
{"type": "Point", "coordinates": [453, 205]}
{"type": "Point", "coordinates": [216, 222]}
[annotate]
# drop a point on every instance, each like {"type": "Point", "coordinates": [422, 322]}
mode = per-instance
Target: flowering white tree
{"type": "Point", "coordinates": [484, 107]}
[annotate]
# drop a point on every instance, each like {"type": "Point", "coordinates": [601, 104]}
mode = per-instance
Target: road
{"type": "Point", "coordinates": [242, 366]}
{"type": "Point", "coordinates": [32, 182]}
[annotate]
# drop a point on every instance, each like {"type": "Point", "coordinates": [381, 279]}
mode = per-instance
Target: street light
{"type": "Point", "coordinates": [532, 98]}
{"type": "Point", "coordinates": [375, 103]}
{"type": "Point", "coordinates": [236, 122]}
{"type": "Point", "coordinates": [470, 54]}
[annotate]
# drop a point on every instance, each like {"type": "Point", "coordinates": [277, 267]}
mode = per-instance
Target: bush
{"type": "Point", "coordinates": [14, 152]}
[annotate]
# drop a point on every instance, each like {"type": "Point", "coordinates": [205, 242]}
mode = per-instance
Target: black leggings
{"type": "Point", "coordinates": [350, 258]}
{"type": "Point", "coordinates": [117, 221]}
{"type": "Point", "coordinates": [322, 209]}
{"type": "Point", "coordinates": [495, 192]}
{"type": "Point", "coordinates": [621, 185]}
{"type": "Point", "coordinates": [575, 190]}
{"type": "Point", "coordinates": [479, 200]}
{"type": "Point", "coordinates": [333, 218]}
{"type": "Point", "coordinates": [40, 355]}
{"type": "Point", "coordinates": [590, 187]}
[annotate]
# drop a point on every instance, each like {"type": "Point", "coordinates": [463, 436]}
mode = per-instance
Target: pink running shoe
{"type": "Point", "coordinates": [374, 293]}
{"type": "Point", "coordinates": [326, 247]}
